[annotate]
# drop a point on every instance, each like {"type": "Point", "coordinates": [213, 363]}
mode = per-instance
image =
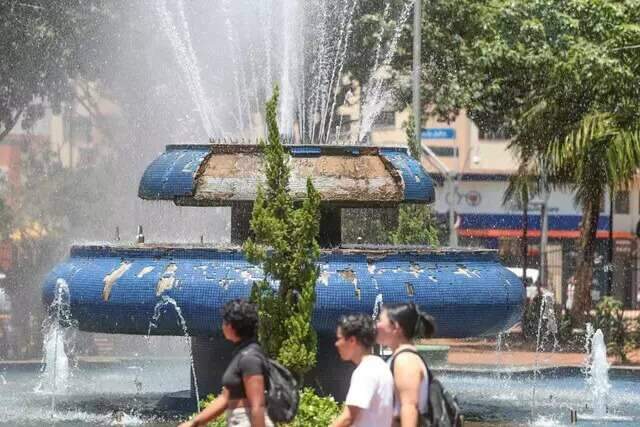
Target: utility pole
{"type": "Point", "coordinates": [610, 246]}
{"type": "Point", "coordinates": [417, 39]}
{"type": "Point", "coordinates": [544, 226]}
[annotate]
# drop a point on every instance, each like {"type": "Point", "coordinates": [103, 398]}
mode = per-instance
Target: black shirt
{"type": "Point", "coordinates": [247, 360]}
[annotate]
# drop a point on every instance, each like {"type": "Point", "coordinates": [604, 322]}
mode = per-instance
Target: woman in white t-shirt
{"type": "Point", "coordinates": [397, 327]}
{"type": "Point", "coordinates": [369, 402]}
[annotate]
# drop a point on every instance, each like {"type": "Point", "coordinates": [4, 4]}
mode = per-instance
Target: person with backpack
{"type": "Point", "coordinates": [243, 393]}
{"type": "Point", "coordinates": [369, 401]}
{"type": "Point", "coordinates": [397, 327]}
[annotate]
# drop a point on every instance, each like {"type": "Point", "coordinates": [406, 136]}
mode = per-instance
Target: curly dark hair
{"type": "Point", "coordinates": [242, 316]}
{"type": "Point", "coordinates": [360, 326]}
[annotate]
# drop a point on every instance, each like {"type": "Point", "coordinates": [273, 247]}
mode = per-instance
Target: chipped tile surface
{"type": "Point", "coordinates": [114, 289]}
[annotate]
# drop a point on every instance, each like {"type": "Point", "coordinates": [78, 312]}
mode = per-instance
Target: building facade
{"type": "Point", "coordinates": [482, 164]}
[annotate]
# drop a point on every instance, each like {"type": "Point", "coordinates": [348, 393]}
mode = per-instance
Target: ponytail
{"type": "Point", "coordinates": [413, 322]}
{"type": "Point", "coordinates": [425, 325]}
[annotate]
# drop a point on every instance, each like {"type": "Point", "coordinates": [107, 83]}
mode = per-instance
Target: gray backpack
{"type": "Point", "coordinates": [281, 389]}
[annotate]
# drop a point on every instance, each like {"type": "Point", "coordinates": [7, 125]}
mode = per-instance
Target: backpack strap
{"type": "Point", "coordinates": [410, 350]}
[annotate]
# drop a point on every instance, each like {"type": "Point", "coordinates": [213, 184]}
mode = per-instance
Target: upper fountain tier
{"type": "Point", "coordinates": [227, 174]}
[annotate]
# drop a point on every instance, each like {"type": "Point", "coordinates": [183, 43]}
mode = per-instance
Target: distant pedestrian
{"type": "Point", "coordinates": [571, 288]}
{"type": "Point", "coordinates": [243, 392]}
{"type": "Point", "coordinates": [369, 401]}
{"type": "Point", "coordinates": [397, 327]}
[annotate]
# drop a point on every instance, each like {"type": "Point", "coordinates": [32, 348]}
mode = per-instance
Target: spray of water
{"type": "Point", "coordinates": [180, 39]}
{"type": "Point", "coordinates": [378, 93]}
{"type": "Point", "coordinates": [547, 330]}
{"type": "Point", "coordinates": [59, 337]}
{"type": "Point", "coordinates": [238, 63]}
{"type": "Point", "coordinates": [598, 375]}
{"type": "Point", "coordinates": [161, 307]}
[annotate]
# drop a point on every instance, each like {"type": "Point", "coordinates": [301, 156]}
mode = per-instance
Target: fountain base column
{"type": "Point", "coordinates": [331, 376]}
{"type": "Point", "coordinates": [211, 356]}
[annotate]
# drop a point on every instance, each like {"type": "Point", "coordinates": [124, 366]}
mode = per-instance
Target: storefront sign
{"type": "Point", "coordinates": [438, 133]}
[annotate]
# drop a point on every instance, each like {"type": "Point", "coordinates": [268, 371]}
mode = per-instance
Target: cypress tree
{"type": "Point", "coordinates": [284, 244]}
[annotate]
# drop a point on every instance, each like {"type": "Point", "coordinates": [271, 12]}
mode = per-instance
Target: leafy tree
{"type": "Point", "coordinates": [5, 219]}
{"type": "Point", "coordinates": [416, 225]}
{"type": "Point", "coordinates": [284, 243]}
{"type": "Point", "coordinates": [45, 45]}
{"type": "Point", "coordinates": [563, 77]}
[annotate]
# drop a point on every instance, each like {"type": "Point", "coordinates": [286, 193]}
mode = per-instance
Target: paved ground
{"type": "Point", "coordinates": [483, 352]}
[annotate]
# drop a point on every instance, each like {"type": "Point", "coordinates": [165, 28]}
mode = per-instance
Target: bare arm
{"type": "Point", "coordinates": [348, 416]}
{"type": "Point", "coordinates": [212, 411]}
{"type": "Point", "coordinates": [408, 376]}
{"type": "Point", "coordinates": [254, 388]}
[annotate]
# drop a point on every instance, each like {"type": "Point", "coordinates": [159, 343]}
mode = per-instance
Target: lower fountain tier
{"type": "Point", "coordinates": [114, 289]}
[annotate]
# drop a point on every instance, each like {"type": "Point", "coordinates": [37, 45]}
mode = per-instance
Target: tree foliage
{"type": "Point", "coordinates": [562, 76]}
{"type": "Point", "coordinates": [416, 225]}
{"type": "Point", "coordinates": [284, 243]}
{"type": "Point", "coordinates": [45, 45]}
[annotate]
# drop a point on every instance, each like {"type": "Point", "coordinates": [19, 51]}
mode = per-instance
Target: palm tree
{"type": "Point", "coordinates": [601, 152]}
{"type": "Point", "coordinates": [523, 186]}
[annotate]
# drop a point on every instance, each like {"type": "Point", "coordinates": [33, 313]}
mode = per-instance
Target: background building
{"type": "Point", "coordinates": [482, 164]}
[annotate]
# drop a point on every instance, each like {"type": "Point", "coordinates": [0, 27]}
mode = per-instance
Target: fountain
{"type": "Point", "coordinates": [116, 288]}
{"type": "Point", "coordinates": [597, 371]}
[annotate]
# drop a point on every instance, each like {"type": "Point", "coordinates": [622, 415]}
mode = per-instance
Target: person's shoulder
{"type": "Point", "coordinates": [408, 357]}
{"type": "Point", "coordinates": [375, 364]}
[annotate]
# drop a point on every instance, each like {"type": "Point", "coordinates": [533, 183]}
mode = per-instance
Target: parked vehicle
{"type": "Point", "coordinates": [533, 276]}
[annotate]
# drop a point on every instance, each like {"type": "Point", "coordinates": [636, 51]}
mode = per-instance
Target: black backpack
{"type": "Point", "coordinates": [443, 408]}
{"type": "Point", "coordinates": [281, 390]}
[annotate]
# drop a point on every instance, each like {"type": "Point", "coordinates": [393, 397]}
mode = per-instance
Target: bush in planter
{"type": "Point", "coordinates": [314, 411]}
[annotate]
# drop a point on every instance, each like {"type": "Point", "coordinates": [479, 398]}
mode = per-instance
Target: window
{"type": "Point", "coordinates": [621, 203]}
{"type": "Point", "coordinates": [444, 151]}
{"type": "Point", "coordinates": [385, 119]}
{"type": "Point", "coordinates": [501, 133]}
{"type": "Point", "coordinates": [77, 129]}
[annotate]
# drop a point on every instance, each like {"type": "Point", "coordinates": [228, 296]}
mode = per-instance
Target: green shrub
{"type": "Point", "coordinates": [284, 244]}
{"type": "Point", "coordinates": [314, 411]}
{"type": "Point", "coordinates": [609, 319]}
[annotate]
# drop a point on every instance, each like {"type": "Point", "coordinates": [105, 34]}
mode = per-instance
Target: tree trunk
{"type": "Point", "coordinates": [525, 237]}
{"type": "Point", "coordinates": [582, 296]}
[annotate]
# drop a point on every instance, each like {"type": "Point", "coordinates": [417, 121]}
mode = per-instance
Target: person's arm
{"type": "Point", "coordinates": [408, 376]}
{"type": "Point", "coordinates": [347, 417]}
{"type": "Point", "coordinates": [254, 388]}
{"type": "Point", "coordinates": [359, 396]}
{"type": "Point", "coordinates": [212, 411]}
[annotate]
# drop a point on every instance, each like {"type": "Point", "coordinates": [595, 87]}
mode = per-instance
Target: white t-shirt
{"type": "Point", "coordinates": [371, 389]}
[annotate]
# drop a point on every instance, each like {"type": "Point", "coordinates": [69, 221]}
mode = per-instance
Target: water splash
{"type": "Point", "coordinates": [305, 53]}
{"type": "Point", "coordinates": [547, 330]}
{"type": "Point", "coordinates": [180, 39]}
{"type": "Point", "coordinates": [59, 338]}
{"type": "Point", "coordinates": [378, 93]}
{"type": "Point", "coordinates": [588, 340]}
{"type": "Point", "coordinates": [161, 307]}
{"type": "Point", "coordinates": [377, 306]}
{"type": "Point", "coordinates": [598, 375]}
